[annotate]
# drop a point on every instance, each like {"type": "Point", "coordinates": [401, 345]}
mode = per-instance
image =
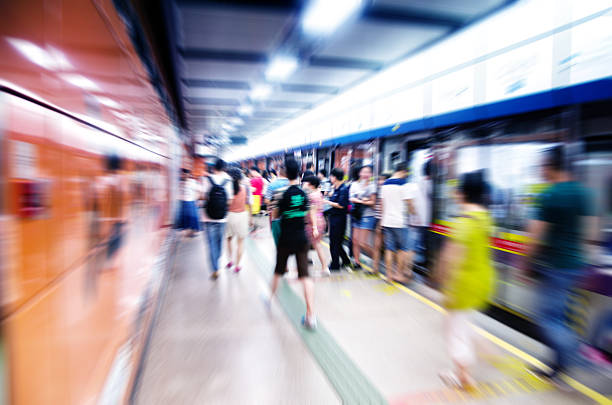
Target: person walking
{"type": "Point", "coordinates": [338, 202]}
{"type": "Point", "coordinates": [187, 218]}
{"type": "Point", "coordinates": [273, 194]}
{"type": "Point", "coordinates": [397, 198]}
{"type": "Point", "coordinates": [378, 237]}
{"type": "Point", "coordinates": [564, 221]}
{"type": "Point", "coordinates": [363, 198]}
{"type": "Point", "coordinates": [292, 209]}
{"type": "Point", "coordinates": [316, 221]}
{"type": "Point", "coordinates": [218, 192]}
{"type": "Point", "coordinates": [466, 275]}
{"type": "Point", "coordinates": [238, 219]}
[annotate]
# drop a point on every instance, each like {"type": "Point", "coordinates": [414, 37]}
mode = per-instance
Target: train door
{"type": "Point", "coordinates": [323, 160]}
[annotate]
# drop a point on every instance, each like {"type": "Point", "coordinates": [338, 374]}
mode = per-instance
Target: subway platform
{"type": "Point", "coordinates": [217, 342]}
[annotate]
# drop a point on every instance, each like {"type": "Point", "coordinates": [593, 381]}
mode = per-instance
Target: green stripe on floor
{"type": "Point", "coordinates": [349, 382]}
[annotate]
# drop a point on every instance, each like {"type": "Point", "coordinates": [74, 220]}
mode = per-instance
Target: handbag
{"type": "Point", "coordinates": [357, 211]}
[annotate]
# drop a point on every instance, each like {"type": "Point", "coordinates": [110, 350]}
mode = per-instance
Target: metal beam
{"type": "Point", "coordinates": [344, 63]}
{"type": "Point", "coordinates": [217, 84]}
{"type": "Point", "coordinates": [223, 55]}
{"type": "Point", "coordinates": [213, 101]}
{"type": "Point", "coordinates": [412, 16]}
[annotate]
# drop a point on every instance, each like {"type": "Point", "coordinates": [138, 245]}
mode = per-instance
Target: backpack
{"type": "Point", "coordinates": [216, 205]}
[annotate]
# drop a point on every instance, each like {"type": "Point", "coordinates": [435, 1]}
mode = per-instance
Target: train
{"type": "Point", "coordinates": [88, 169]}
{"type": "Point", "coordinates": [508, 149]}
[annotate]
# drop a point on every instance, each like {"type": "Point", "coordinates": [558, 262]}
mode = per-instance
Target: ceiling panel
{"type": "Point", "coordinates": [465, 9]}
{"type": "Point", "coordinates": [230, 29]}
{"type": "Point", "coordinates": [381, 42]}
{"type": "Point", "coordinates": [326, 76]}
{"type": "Point", "coordinates": [219, 70]}
{"type": "Point", "coordinates": [215, 92]}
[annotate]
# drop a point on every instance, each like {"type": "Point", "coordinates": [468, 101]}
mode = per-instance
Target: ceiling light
{"type": "Point", "coordinates": [261, 92]}
{"type": "Point", "coordinates": [236, 121]}
{"type": "Point", "coordinates": [227, 127]}
{"type": "Point", "coordinates": [80, 81]}
{"type": "Point", "coordinates": [108, 102]}
{"type": "Point", "coordinates": [322, 17]}
{"type": "Point", "coordinates": [51, 60]}
{"type": "Point", "coordinates": [245, 110]}
{"type": "Point", "coordinates": [281, 67]}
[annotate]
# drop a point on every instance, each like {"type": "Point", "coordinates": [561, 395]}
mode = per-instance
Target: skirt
{"type": "Point", "coordinates": [188, 216]}
{"type": "Point", "coordinates": [237, 224]}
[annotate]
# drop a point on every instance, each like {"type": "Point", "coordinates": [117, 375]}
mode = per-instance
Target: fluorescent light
{"type": "Point", "coordinates": [236, 121]}
{"type": "Point", "coordinates": [281, 67]}
{"type": "Point", "coordinates": [322, 17]}
{"type": "Point", "coordinates": [80, 81]}
{"type": "Point", "coordinates": [108, 102]}
{"type": "Point", "coordinates": [261, 92]}
{"type": "Point", "coordinates": [51, 60]}
{"type": "Point", "coordinates": [245, 110]}
{"type": "Point", "coordinates": [227, 127]}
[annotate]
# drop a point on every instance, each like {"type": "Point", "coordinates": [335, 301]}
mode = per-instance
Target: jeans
{"type": "Point", "coordinates": [553, 297]}
{"type": "Point", "coordinates": [337, 228]}
{"type": "Point", "coordinates": [214, 235]}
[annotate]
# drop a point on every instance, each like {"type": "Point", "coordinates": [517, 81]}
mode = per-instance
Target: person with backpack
{"type": "Point", "coordinates": [218, 192]}
{"type": "Point", "coordinates": [238, 218]}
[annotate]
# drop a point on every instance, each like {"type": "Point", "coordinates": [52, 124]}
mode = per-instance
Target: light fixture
{"type": "Point", "coordinates": [80, 81]}
{"type": "Point", "coordinates": [322, 17]}
{"type": "Point", "coordinates": [281, 67]}
{"type": "Point", "coordinates": [108, 102]}
{"type": "Point", "coordinates": [261, 91]}
{"type": "Point", "coordinates": [227, 127]}
{"type": "Point", "coordinates": [236, 121]}
{"type": "Point", "coordinates": [245, 110]}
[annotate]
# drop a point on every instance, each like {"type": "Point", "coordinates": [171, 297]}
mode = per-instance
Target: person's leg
{"type": "Point", "coordinates": [333, 244]}
{"type": "Point", "coordinates": [554, 294]}
{"type": "Point", "coordinates": [357, 235]}
{"type": "Point", "coordinates": [282, 255]}
{"type": "Point", "coordinates": [343, 256]}
{"type": "Point", "coordinates": [229, 252]}
{"type": "Point", "coordinates": [301, 258]}
{"type": "Point", "coordinates": [321, 254]}
{"type": "Point", "coordinates": [218, 229]}
{"type": "Point", "coordinates": [377, 247]}
{"type": "Point", "coordinates": [240, 250]}
{"type": "Point", "coordinates": [460, 345]}
{"type": "Point", "coordinates": [210, 238]}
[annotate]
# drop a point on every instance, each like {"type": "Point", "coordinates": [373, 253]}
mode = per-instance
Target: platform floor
{"type": "Point", "coordinates": [216, 342]}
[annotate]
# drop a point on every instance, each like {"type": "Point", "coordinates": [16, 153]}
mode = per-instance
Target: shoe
{"type": "Point", "coordinates": [309, 323]}
{"type": "Point", "coordinates": [554, 378]}
{"type": "Point", "coordinates": [325, 272]}
{"type": "Point", "coordinates": [214, 275]}
{"type": "Point", "coordinates": [334, 269]}
{"type": "Point", "coordinates": [237, 269]}
{"type": "Point", "coordinates": [229, 265]}
{"type": "Point", "coordinates": [357, 266]}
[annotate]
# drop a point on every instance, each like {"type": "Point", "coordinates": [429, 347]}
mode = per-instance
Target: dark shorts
{"type": "Point", "coordinates": [368, 223]}
{"type": "Point", "coordinates": [301, 257]}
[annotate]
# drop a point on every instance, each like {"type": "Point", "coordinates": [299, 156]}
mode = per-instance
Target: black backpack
{"type": "Point", "coordinates": [216, 204]}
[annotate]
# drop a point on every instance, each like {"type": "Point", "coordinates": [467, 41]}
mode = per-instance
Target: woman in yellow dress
{"type": "Point", "coordinates": [467, 276]}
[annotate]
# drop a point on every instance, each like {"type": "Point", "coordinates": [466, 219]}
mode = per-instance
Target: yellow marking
{"type": "Point", "coordinates": [488, 389]}
{"type": "Point", "coordinates": [594, 395]}
{"type": "Point", "coordinates": [346, 293]}
{"type": "Point", "coordinates": [499, 388]}
{"type": "Point", "coordinates": [523, 386]}
{"type": "Point", "coordinates": [506, 250]}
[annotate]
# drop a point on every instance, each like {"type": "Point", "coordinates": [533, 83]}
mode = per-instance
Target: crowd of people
{"type": "Point", "coordinates": [392, 215]}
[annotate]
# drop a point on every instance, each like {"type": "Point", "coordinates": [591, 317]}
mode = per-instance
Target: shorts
{"type": "Point", "coordinates": [397, 239]}
{"type": "Point", "coordinates": [237, 224]}
{"type": "Point", "coordinates": [368, 223]}
{"type": "Point", "coordinates": [301, 257]}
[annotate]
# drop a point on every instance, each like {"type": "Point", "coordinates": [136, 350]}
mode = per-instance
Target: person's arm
{"type": "Point", "coordinates": [452, 253]}
{"type": "Point", "coordinates": [371, 200]}
{"type": "Point", "coordinates": [313, 220]}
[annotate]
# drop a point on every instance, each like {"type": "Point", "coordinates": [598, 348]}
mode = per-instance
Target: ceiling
{"type": "Point", "coordinates": [224, 47]}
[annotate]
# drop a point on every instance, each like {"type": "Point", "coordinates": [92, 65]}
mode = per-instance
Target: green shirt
{"type": "Point", "coordinates": [472, 283]}
{"type": "Point", "coordinates": [563, 207]}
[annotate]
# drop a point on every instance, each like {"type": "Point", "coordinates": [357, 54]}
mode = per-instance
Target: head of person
{"type": "Point", "coordinates": [309, 166]}
{"type": "Point", "coordinates": [254, 172]}
{"type": "Point", "coordinates": [292, 169]}
{"type": "Point", "coordinates": [219, 166]}
{"type": "Point", "coordinates": [236, 176]}
{"type": "Point", "coordinates": [552, 164]}
{"type": "Point", "coordinates": [113, 163]}
{"type": "Point", "coordinates": [427, 169]}
{"type": "Point", "coordinates": [322, 174]}
{"type": "Point", "coordinates": [336, 176]}
{"type": "Point", "coordinates": [185, 173]}
{"type": "Point", "coordinates": [365, 173]}
{"type": "Point", "coordinates": [401, 170]}
{"type": "Point", "coordinates": [472, 188]}
{"type": "Point", "coordinates": [311, 183]}
{"type": "Point", "coordinates": [383, 177]}
{"type": "Point", "coordinates": [282, 170]}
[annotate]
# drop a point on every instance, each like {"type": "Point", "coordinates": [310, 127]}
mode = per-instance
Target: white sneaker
{"type": "Point", "coordinates": [309, 323]}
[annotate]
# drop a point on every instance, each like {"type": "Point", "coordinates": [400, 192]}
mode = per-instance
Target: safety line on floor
{"type": "Point", "coordinates": [351, 385]}
{"type": "Point", "coordinates": [578, 386]}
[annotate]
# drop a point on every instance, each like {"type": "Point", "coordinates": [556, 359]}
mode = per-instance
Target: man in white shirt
{"type": "Point", "coordinates": [421, 219]}
{"type": "Point", "coordinates": [215, 228]}
{"type": "Point", "coordinates": [397, 196]}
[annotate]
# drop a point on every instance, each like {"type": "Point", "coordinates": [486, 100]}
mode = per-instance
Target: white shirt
{"type": "Point", "coordinates": [422, 204]}
{"type": "Point", "coordinates": [229, 190]}
{"type": "Point", "coordinates": [395, 192]}
{"type": "Point", "coordinates": [363, 191]}
{"type": "Point", "coordinates": [190, 189]}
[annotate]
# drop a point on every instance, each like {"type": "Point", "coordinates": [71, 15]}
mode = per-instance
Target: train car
{"type": "Point", "coordinates": [86, 177]}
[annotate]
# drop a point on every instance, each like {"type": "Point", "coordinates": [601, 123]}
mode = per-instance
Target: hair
{"type": "Point", "coordinates": [219, 165]}
{"type": "Point", "coordinates": [292, 169]}
{"type": "Point", "coordinates": [401, 167]}
{"type": "Point", "coordinates": [185, 171]}
{"type": "Point", "coordinates": [309, 165]}
{"type": "Point", "coordinates": [255, 169]}
{"type": "Point", "coordinates": [554, 158]}
{"type": "Point", "coordinates": [313, 181]}
{"type": "Point", "coordinates": [473, 187]}
{"type": "Point", "coordinates": [266, 175]}
{"type": "Point", "coordinates": [427, 168]}
{"type": "Point", "coordinates": [236, 176]}
{"type": "Point", "coordinates": [113, 163]}
{"type": "Point", "coordinates": [323, 172]}
{"type": "Point", "coordinates": [337, 173]}
{"type": "Point", "coordinates": [272, 171]}
{"type": "Point", "coordinates": [365, 167]}
{"type": "Point", "coordinates": [385, 176]}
